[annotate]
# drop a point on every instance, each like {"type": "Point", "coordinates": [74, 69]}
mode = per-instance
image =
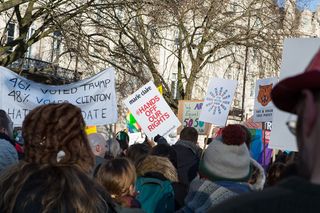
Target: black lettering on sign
{"type": "Point", "coordinates": [19, 83]}
{"type": "Point", "coordinates": [18, 96]}
{"type": "Point", "coordinates": [97, 84]}
{"type": "Point", "coordinates": [17, 113]}
{"type": "Point", "coordinates": [87, 99]}
{"type": "Point", "coordinates": [59, 91]}
{"type": "Point", "coordinates": [93, 114]}
{"type": "Point", "coordinates": [48, 101]}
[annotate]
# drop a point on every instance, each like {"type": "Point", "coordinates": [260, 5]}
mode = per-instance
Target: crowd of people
{"type": "Point", "coordinates": [62, 169]}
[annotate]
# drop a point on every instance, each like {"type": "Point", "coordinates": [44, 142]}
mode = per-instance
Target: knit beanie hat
{"type": "Point", "coordinates": [227, 158]}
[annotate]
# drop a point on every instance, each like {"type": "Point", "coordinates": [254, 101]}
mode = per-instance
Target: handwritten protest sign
{"type": "Point", "coordinates": [263, 106]}
{"type": "Point", "coordinates": [217, 103]}
{"type": "Point", "coordinates": [151, 111]}
{"type": "Point", "coordinates": [189, 113]}
{"type": "Point", "coordinates": [95, 96]}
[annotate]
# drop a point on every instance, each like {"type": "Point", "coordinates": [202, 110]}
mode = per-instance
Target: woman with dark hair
{"type": "Point", "coordinates": [54, 175]}
{"type": "Point", "coordinates": [138, 152]}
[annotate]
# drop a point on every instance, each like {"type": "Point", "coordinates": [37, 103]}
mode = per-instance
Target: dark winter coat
{"type": "Point", "coordinates": [152, 167]}
{"type": "Point", "coordinates": [188, 158]}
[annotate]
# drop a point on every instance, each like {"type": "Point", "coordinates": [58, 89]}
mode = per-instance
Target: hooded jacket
{"type": "Point", "coordinates": [188, 158]}
{"type": "Point", "coordinates": [162, 169]}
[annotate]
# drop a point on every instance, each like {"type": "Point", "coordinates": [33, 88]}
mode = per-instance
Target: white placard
{"type": "Point", "coordinates": [297, 54]}
{"type": "Point", "coordinates": [95, 96]}
{"type": "Point", "coordinates": [151, 111]}
{"type": "Point", "coordinates": [263, 106]}
{"type": "Point", "coordinates": [217, 103]}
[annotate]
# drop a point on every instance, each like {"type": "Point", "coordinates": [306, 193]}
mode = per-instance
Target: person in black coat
{"type": "Point", "coordinates": [188, 155]}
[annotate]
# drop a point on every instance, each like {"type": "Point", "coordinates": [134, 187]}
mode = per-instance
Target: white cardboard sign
{"type": "Point", "coordinates": [263, 106]}
{"type": "Point", "coordinates": [151, 111]}
{"type": "Point", "coordinates": [218, 100]}
{"type": "Point", "coordinates": [297, 54]}
{"type": "Point", "coordinates": [95, 96]}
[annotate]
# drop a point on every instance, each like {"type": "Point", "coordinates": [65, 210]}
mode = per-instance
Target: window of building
{"type": "Point", "coordinates": [10, 35]}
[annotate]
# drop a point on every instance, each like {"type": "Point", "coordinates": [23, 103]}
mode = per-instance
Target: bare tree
{"type": "Point", "coordinates": [197, 33]}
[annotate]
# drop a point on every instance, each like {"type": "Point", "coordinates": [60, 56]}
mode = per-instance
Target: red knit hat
{"type": "Point", "coordinates": [233, 134]}
{"type": "Point", "coordinates": [285, 95]}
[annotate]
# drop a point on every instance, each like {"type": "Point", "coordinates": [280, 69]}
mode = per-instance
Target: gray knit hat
{"type": "Point", "coordinates": [225, 162]}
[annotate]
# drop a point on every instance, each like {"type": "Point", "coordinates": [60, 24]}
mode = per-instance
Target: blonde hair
{"type": "Point", "coordinates": [116, 176]}
{"type": "Point", "coordinates": [158, 164]}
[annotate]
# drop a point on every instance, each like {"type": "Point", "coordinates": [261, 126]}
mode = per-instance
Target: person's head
{"type": "Point", "coordinates": [57, 128]}
{"type": "Point", "coordinates": [165, 150]}
{"type": "Point", "coordinates": [137, 152]}
{"type": "Point", "coordinates": [228, 159]}
{"type": "Point", "coordinates": [118, 177]}
{"type": "Point", "coordinates": [157, 164]}
{"type": "Point", "coordinates": [274, 174]}
{"type": "Point", "coordinates": [55, 169]}
{"type": "Point", "coordinates": [98, 144]}
{"type": "Point", "coordinates": [113, 149]}
{"type": "Point", "coordinates": [123, 138]}
{"type": "Point", "coordinates": [160, 140]}
{"type": "Point", "coordinates": [189, 134]}
{"type": "Point", "coordinates": [300, 94]}
{"type": "Point", "coordinates": [6, 125]}
{"type": "Point", "coordinates": [248, 136]}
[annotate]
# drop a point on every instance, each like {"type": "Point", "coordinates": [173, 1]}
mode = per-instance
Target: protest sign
{"type": "Point", "coordinates": [189, 113]}
{"type": "Point", "coordinates": [217, 103]}
{"type": "Point", "coordinates": [263, 106]}
{"type": "Point", "coordinates": [95, 96]}
{"type": "Point", "coordinates": [297, 54]}
{"type": "Point", "coordinates": [151, 111]}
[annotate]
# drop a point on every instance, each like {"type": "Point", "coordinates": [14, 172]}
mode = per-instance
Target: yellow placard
{"type": "Point", "coordinates": [160, 89]}
{"type": "Point", "coordinates": [91, 129]}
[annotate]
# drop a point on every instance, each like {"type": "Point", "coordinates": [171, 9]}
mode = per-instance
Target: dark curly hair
{"type": "Point", "coordinates": [51, 128]}
{"type": "Point", "coordinates": [43, 181]}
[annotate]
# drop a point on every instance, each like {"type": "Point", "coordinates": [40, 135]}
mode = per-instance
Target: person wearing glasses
{"type": "Point", "coordinates": [299, 95]}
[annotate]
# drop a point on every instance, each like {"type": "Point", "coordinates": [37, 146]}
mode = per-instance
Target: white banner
{"type": "Point", "coordinates": [217, 103]}
{"type": "Point", "coordinates": [151, 111]}
{"type": "Point", "coordinates": [95, 96]}
{"type": "Point", "coordinates": [297, 54]}
{"type": "Point", "coordinates": [263, 106]}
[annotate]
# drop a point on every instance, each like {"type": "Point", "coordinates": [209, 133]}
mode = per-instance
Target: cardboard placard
{"type": "Point", "coordinates": [263, 106]}
{"type": "Point", "coordinates": [189, 114]}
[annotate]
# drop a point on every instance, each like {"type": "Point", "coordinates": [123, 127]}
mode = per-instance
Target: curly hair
{"type": "Point", "coordinates": [41, 180]}
{"type": "Point", "coordinates": [49, 129]}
